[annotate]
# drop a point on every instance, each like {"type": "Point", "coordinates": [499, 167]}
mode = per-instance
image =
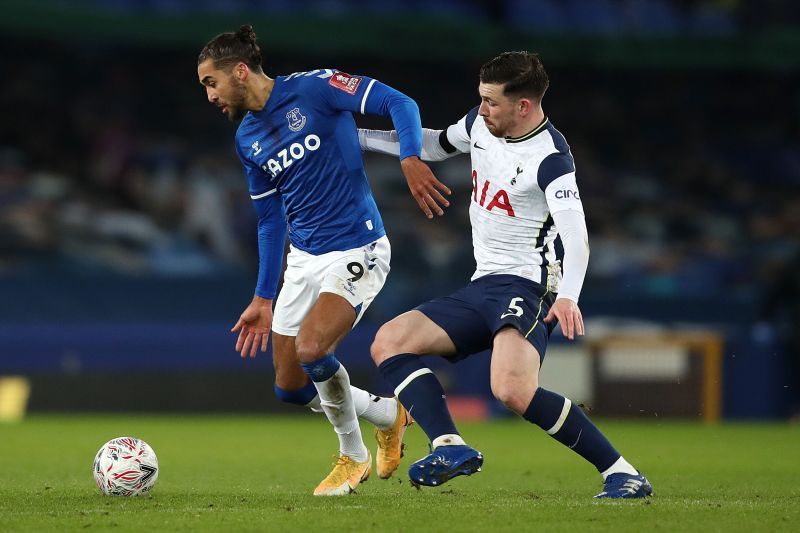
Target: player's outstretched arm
{"type": "Point", "coordinates": [426, 189]}
{"type": "Point", "coordinates": [253, 327]}
{"type": "Point", "coordinates": [387, 142]}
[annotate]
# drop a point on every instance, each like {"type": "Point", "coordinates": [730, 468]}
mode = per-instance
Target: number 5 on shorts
{"type": "Point", "coordinates": [513, 308]}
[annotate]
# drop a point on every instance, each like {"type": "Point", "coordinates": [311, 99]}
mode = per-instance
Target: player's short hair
{"type": "Point", "coordinates": [521, 73]}
{"type": "Point", "coordinates": [229, 48]}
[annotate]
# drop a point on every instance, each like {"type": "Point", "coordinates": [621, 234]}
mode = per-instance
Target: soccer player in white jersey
{"type": "Point", "coordinates": [299, 147]}
{"type": "Point", "coordinates": [531, 250]}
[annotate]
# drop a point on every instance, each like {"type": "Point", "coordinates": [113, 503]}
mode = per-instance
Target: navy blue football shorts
{"type": "Point", "coordinates": [472, 315]}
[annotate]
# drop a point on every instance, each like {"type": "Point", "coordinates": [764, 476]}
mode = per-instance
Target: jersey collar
{"type": "Point", "coordinates": [538, 129]}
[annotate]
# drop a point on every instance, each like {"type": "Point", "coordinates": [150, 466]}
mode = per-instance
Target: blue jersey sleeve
{"type": "Point", "coordinates": [272, 229]}
{"type": "Point", "coordinates": [360, 94]}
{"type": "Point", "coordinates": [271, 241]}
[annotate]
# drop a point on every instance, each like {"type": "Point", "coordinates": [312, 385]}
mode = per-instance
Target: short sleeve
{"type": "Point", "coordinates": [458, 134]}
{"type": "Point", "coordinates": [562, 194]}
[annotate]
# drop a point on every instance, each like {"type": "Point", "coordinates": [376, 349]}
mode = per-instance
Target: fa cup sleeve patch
{"type": "Point", "coordinates": [345, 82]}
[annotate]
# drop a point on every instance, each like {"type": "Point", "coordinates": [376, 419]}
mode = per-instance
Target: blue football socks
{"type": "Point", "coordinates": [567, 423]}
{"type": "Point", "coordinates": [420, 392]}
{"type": "Point", "coordinates": [302, 396]}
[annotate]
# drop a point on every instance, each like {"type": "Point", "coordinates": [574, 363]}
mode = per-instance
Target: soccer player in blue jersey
{"type": "Point", "coordinates": [299, 147]}
{"type": "Point", "coordinates": [531, 249]}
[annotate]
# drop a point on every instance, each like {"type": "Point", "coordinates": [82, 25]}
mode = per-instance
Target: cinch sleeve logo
{"type": "Point", "coordinates": [566, 194]}
{"type": "Point", "coordinates": [345, 82]}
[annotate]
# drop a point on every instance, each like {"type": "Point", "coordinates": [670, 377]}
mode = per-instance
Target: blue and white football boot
{"type": "Point", "coordinates": [444, 463]}
{"type": "Point", "coordinates": [626, 486]}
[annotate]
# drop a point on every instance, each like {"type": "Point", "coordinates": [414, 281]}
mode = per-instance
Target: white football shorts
{"type": "Point", "coordinates": [356, 275]}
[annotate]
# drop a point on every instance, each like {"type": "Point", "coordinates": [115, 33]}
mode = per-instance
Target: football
{"type": "Point", "coordinates": [125, 466]}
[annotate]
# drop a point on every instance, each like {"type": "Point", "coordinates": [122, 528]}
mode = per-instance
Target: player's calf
{"type": "Point", "coordinates": [568, 424]}
{"type": "Point", "coordinates": [305, 396]}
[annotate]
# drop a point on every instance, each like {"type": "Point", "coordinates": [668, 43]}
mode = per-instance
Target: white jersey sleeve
{"type": "Point", "coordinates": [571, 226]}
{"type": "Point", "coordinates": [458, 135]}
{"type": "Point", "coordinates": [388, 142]}
{"type": "Point", "coordinates": [566, 208]}
{"type": "Point", "coordinates": [562, 193]}
{"type": "Point", "coordinates": [437, 145]}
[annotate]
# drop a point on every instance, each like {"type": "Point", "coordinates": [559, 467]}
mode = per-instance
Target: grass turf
{"type": "Point", "coordinates": [256, 474]}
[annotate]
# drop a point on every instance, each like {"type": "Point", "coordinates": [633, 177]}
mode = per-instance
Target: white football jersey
{"type": "Point", "coordinates": [516, 184]}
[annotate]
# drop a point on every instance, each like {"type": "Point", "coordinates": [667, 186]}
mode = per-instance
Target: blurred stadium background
{"type": "Point", "coordinates": [127, 239]}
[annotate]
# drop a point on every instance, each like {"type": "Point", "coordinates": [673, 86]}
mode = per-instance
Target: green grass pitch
{"type": "Point", "coordinates": [239, 473]}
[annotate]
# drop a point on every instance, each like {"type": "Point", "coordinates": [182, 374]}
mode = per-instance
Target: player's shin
{"type": "Point", "coordinates": [421, 393]}
{"type": "Point", "coordinates": [569, 425]}
{"type": "Point", "coordinates": [333, 386]}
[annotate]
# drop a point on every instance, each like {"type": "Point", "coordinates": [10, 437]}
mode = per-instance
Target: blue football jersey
{"type": "Point", "coordinates": [303, 146]}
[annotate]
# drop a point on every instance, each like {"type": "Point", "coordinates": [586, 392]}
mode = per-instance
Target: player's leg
{"type": "Point", "coordinates": [297, 296]}
{"type": "Point", "coordinates": [515, 382]}
{"type": "Point", "coordinates": [291, 382]}
{"type": "Point", "coordinates": [396, 351]}
{"type": "Point", "coordinates": [293, 386]}
{"type": "Point", "coordinates": [349, 282]}
{"type": "Point", "coordinates": [327, 323]}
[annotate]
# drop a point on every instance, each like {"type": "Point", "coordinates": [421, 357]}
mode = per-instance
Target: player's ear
{"type": "Point", "coordinates": [524, 106]}
{"type": "Point", "coordinates": [241, 71]}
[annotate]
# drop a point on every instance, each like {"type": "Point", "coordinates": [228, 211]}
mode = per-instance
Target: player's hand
{"type": "Point", "coordinates": [568, 315]}
{"type": "Point", "coordinates": [424, 186]}
{"type": "Point", "coordinates": [253, 327]}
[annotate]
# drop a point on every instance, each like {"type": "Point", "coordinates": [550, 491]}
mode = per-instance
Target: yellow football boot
{"type": "Point", "coordinates": [345, 477]}
{"type": "Point", "coordinates": [390, 443]}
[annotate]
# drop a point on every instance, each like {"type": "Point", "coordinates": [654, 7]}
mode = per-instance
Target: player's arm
{"type": "Point", "coordinates": [571, 226]}
{"type": "Point", "coordinates": [566, 209]}
{"type": "Point", "coordinates": [388, 142]}
{"type": "Point", "coordinates": [437, 145]}
{"type": "Point", "coordinates": [255, 322]}
{"type": "Point", "coordinates": [371, 97]}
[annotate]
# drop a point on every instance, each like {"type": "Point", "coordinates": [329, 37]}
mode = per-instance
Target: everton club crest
{"type": "Point", "coordinates": [296, 119]}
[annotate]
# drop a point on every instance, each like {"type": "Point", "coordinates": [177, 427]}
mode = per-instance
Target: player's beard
{"type": "Point", "coordinates": [497, 128]}
{"type": "Point", "coordinates": [236, 107]}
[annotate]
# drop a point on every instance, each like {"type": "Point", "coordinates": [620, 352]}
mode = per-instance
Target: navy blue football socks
{"type": "Point", "coordinates": [420, 393]}
{"type": "Point", "coordinates": [567, 423]}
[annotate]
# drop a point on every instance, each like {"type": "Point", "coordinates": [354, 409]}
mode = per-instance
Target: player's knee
{"type": "Point", "coordinates": [387, 343]}
{"type": "Point", "coordinates": [513, 396]}
{"type": "Point", "coordinates": [309, 350]}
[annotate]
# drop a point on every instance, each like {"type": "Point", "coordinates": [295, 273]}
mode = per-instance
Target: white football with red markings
{"type": "Point", "coordinates": [125, 466]}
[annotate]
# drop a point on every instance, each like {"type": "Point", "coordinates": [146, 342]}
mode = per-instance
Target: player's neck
{"type": "Point", "coordinates": [260, 91]}
{"type": "Point", "coordinates": [529, 123]}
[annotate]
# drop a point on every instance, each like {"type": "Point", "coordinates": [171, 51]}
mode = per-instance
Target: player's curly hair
{"type": "Point", "coordinates": [230, 48]}
{"type": "Point", "coordinates": [522, 73]}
